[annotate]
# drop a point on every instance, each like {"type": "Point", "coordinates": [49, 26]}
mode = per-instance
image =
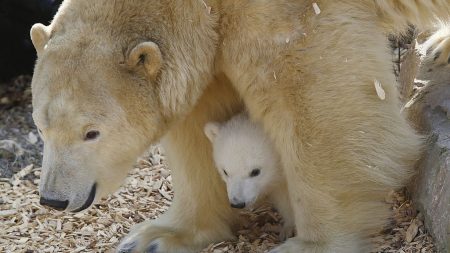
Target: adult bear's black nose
{"type": "Point", "coordinates": [56, 204]}
{"type": "Point", "coordinates": [238, 205]}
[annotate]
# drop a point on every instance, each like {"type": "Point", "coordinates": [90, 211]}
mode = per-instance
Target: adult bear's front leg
{"type": "Point", "coordinates": [200, 213]}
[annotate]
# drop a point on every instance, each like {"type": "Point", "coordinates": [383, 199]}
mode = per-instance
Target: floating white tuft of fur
{"type": "Point", "coordinates": [380, 91]}
{"type": "Point", "coordinates": [316, 8]}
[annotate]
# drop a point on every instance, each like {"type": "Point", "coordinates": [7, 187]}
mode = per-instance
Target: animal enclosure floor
{"type": "Point", "coordinates": [27, 227]}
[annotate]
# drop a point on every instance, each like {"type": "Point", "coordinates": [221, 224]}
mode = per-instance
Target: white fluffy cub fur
{"type": "Point", "coordinates": [250, 167]}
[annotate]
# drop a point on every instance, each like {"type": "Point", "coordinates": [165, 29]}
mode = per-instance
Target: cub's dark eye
{"type": "Point", "coordinates": [225, 172]}
{"type": "Point", "coordinates": [39, 131]}
{"type": "Point", "coordinates": [91, 135]}
{"type": "Point", "coordinates": [255, 172]}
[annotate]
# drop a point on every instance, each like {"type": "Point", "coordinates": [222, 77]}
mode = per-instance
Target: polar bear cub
{"type": "Point", "coordinates": [250, 167]}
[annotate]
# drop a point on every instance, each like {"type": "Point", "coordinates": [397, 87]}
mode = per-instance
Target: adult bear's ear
{"type": "Point", "coordinates": [212, 130]}
{"type": "Point", "coordinates": [145, 55]}
{"type": "Point", "coordinates": [40, 35]}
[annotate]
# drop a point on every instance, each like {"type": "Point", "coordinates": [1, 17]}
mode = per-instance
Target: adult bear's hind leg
{"type": "Point", "coordinates": [200, 213]}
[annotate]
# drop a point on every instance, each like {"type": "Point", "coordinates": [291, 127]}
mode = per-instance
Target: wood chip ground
{"type": "Point", "coordinates": [27, 227]}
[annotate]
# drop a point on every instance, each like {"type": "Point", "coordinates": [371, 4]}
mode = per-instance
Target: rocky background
{"type": "Point", "coordinates": [429, 109]}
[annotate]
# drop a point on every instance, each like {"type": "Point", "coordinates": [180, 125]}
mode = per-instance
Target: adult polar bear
{"type": "Point", "coordinates": [112, 77]}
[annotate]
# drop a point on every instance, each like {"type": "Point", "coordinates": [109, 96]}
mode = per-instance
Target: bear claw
{"type": "Point", "coordinates": [127, 247]}
{"type": "Point", "coordinates": [436, 56]}
{"type": "Point", "coordinates": [152, 248]}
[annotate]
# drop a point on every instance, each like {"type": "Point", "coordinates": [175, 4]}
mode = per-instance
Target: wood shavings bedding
{"type": "Point", "coordinates": [27, 227]}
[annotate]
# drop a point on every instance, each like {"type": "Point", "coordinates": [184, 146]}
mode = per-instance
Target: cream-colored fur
{"type": "Point", "coordinates": [308, 78]}
{"type": "Point", "coordinates": [330, 127]}
{"type": "Point", "coordinates": [433, 73]}
{"type": "Point", "coordinates": [438, 46]}
{"type": "Point", "coordinates": [240, 148]}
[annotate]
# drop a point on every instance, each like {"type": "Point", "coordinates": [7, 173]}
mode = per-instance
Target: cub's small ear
{"type": "Point", "coordinates": [40, 35]}
{"type": "Point", "coordinates": [212, 130]}
{"type": "Point", "coordinates": [145, 55]}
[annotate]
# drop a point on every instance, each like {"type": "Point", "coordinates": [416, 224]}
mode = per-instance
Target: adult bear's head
{"type": "Point", "coordinates": [110, 78]}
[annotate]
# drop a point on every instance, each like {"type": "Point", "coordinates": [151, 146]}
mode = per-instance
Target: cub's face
{"type": "Point", "coordinates": [245, 182]}
{"type": "Point", "coordinates": [246, 162]}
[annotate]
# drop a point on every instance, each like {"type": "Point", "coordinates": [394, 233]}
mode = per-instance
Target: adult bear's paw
{"type": "Point", "coordinates": [156, 236]}
{"type": "Point", "coordinates": [150, 238]}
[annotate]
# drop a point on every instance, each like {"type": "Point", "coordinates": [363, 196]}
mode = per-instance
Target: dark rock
{"type": "Point", "coordinates": [431, 187]}
{"type": "Point", "coordinates": [17, 54]}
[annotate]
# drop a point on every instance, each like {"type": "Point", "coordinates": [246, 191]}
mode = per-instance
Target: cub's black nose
{"type": "Point", "coordinates": [238, 205]}
{"type": "Point", "coordinates": [56, 204]}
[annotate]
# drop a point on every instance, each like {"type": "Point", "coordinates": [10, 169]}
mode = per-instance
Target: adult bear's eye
{"type": "Point", "coordinates": [225, 172]}
{"type": "Point", "coordinates": [91, 135]}
{"type": "Point", "coordinates": [255, 172]}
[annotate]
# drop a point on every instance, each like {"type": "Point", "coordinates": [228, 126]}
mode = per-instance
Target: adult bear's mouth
{"type": "Point", "coordinates": [89, 200]}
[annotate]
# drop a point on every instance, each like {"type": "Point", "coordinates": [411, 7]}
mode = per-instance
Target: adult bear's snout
{"type": "Point", "coordinates": [55, 204]}
{"type": "Point", "coordinates": [89, 200]}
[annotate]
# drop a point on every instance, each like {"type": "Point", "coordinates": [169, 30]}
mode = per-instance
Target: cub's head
{"type": "Point", "coordinates": [110, 78]}
{"type": "Point", "coordinates": [245, 159]}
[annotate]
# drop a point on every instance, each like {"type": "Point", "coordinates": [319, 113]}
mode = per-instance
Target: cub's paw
{"type": "Point", "coordinates": [295, 245]}
{"type": "Point", "coordinates": [341, 244]}
{"type": "Point", "coordinates": [286, 232]}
